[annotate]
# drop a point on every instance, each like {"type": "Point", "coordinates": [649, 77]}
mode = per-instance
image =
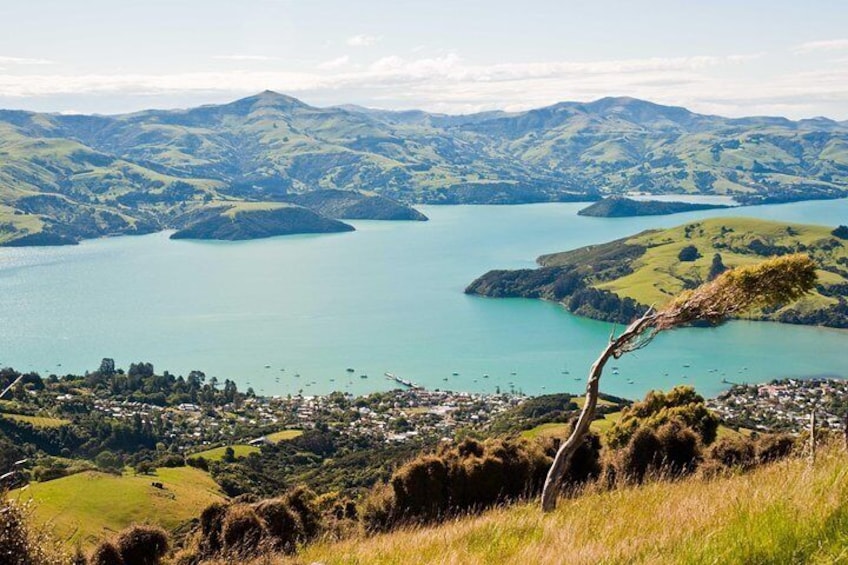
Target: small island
{"type": "Point", "coordinates": [622, 207]}
{"type": "Point", "coordinates": [259, 220]}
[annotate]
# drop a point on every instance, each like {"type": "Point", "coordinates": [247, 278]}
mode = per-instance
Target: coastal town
{"type": "Point", "coordinates": [394, 416]}
{"type": "Point", "coordinates": [419, 414]}
{"type": "Point", "coordinates": [784, 405]}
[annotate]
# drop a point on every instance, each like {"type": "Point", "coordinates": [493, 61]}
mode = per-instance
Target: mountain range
{"type": "Point", "coordinates": [68, 177]}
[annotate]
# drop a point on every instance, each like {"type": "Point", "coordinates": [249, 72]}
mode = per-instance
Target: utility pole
{"type": "Point", "coordinates": [812, 437]}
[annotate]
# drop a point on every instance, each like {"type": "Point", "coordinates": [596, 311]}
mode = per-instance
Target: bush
{"type": "Point", "coordinates": [678, 448]}
{"type": "Point", "coordinates": [19, 543]}
{"type": "Point", "coordinates": [773, 447]}
{"type": "Point", "coordinates": [658, 407]}
{"type": "Point", "coordinates": [106, 554]}
{"type": "Point", "coordinates": [841, 232]}
{"type": "Point", "coordinates": [378, 510]}
{"type": "Point", "coordinates": [689, 253]}
{"type": "Point", "coordinates": [211, 524]}
{"type": "Point", "coordinates": [283, 526]}
{"type": "Point", "coordinates": [671, 450]}
{"type": "Point", "coordinates": [470, 476]}
{"type": "Point", "coordinates": [142, 545]}
{"type": "Point", "coordinates": [301, 501]}
{"type": "Point", "coordinates": [242, 531]}
{"type": "Point", "coordinates": [734, 452]}
{"type": "Point", "coordinates": [108, 461]}
{"type": "Point", "coordinates": [640, 455]}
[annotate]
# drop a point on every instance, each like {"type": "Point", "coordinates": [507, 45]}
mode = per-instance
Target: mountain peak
{"type": "Point", "coordinates": [268, 98]}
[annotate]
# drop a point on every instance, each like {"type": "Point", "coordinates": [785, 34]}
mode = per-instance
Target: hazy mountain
{"type": "Point", "coordinates": [82, 176]}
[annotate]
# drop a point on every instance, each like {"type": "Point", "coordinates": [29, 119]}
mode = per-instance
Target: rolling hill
{"type": "Point", "coordinates": [68, 177]}
{"type": "Point", "coordinates": [614, 281]}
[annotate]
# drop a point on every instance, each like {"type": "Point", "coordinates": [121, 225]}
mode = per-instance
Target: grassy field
{"type": "Point", "coordinates": [556, 429]}
{"type": "Point", "coordinates": [217, 453]}
{"type": "Point", "coordinates": [243, 450]}
{"type": "Point", "coordinates": [283, 435]}
{"type": "Point", "coordinates": [87, 506]}
{"type": "Point", "coordinates": [659, 274]}
{"type": "Point", "coordinates": [784, 513]}
{"type": "Point", "coordinates": [38, 421]}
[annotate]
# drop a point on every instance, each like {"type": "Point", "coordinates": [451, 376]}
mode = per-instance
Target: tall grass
{"type": "Point", "coordinates": [786, 512]}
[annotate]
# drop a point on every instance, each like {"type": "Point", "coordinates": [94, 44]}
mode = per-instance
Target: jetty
{"type": "Point", "coordinates": [404, 382]}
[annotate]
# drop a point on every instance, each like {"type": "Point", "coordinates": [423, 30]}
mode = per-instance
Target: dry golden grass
{"type": "Point", "coordinates": [783, 513]}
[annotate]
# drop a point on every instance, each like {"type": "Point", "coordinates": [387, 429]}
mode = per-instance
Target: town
{"type": "Point", "coordinates": [784, 405]}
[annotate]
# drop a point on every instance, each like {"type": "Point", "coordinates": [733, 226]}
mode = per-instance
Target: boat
{"type": "Point", "coordinates": [486, 376]}
{"type": "Point", "coordinates": [350, 370]}
{"type": "Point", "coordinates": [455, 374]}
{"type": "Point", "coordinates": [363, 376]}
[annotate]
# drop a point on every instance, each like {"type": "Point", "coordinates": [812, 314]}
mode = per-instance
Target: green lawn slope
{"type": "Point", "coordinates": [787, 512]}
{"type": "Point", "coordinates": [89, 506]}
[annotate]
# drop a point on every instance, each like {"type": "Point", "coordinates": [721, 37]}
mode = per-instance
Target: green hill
{"type": "Point", "coordinates": [783, 513]}
{"type": "Point", "coordinates": [89, 506]}
{"type": "Point", "coordinates": [72, 177]}
{"type": "Point", "coordinates": [615, 280]}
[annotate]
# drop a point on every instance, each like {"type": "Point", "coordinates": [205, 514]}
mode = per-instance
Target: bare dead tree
{"type": "Point", "coordinates": [772, 282]}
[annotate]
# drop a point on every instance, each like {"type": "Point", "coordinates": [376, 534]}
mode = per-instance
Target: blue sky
{"type": "Point", "coordinates": [731, 58]}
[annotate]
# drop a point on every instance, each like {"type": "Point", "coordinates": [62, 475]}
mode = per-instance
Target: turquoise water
{"type": "Point", "coordinates": [387, 297]}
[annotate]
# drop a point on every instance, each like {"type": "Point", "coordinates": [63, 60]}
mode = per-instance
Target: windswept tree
{"type": "Point", "coordinates": [770, 283]}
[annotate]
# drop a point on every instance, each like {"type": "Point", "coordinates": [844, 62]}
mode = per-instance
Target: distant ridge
{"type": "Point", "coordinates": [76, 176]}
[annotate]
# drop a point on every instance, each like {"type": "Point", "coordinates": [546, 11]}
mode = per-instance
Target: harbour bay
{"type": "Point", "coordinates": [294, 313]}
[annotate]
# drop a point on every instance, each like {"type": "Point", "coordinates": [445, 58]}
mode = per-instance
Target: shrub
{"type": "Point", "coordinates": [211, 524]}
{"type": "Point", "coordinates": [688, 253]}
{"type": "Point", "coordinates": [20, 544]}
{"type": "Point", "coordinates": [639, 456]}
{"type": "Point", "coordinates": [671, 450]}
{"type": "Point", "coordinates": [242, 531]}
{"type": "Point", "coordinates": [420, 487]}
{"type": "Point", "coordinates": [301, 501]}
{"type": "Point", "coordinates": [469, 476]}
{"type": "Point", "coordinates": [678, 448]}
{"type": "Point", "coordinates": [106, 554]}
{"type": "Point", "coordinates": [773, 447]}
{"type": "Point", "coordinates": [658, 407]}
{"type": "Point", "coordinates": [14, 536]}
{"type": "Point", "coordinates": [841, 232]}
{"type": "Point", "coordinates": [142, 545]}
{"type": "Point", "coordinates": [282, 524]}
{"type": "Point", "coordinates": [734, 452]}
{"type": "Point", "coordinates": [378, 510]}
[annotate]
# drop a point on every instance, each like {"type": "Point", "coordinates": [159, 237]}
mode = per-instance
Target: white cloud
{"type": "Point", "coordinates": [447, 83]}
{"type": "Point", "coordinates": [363, 40]}
{"type": "Point", "coordinates": [245, 58]}
{"type": "Point", "coordinates": [815, 46]}
{"type": "Point", "coordinates": [333, 64]}
{"type": "Point", "coordinates": [24, 61]}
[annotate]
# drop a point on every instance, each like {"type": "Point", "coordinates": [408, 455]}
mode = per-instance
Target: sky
{"type": "Point", "coordinates": [733, 58]}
